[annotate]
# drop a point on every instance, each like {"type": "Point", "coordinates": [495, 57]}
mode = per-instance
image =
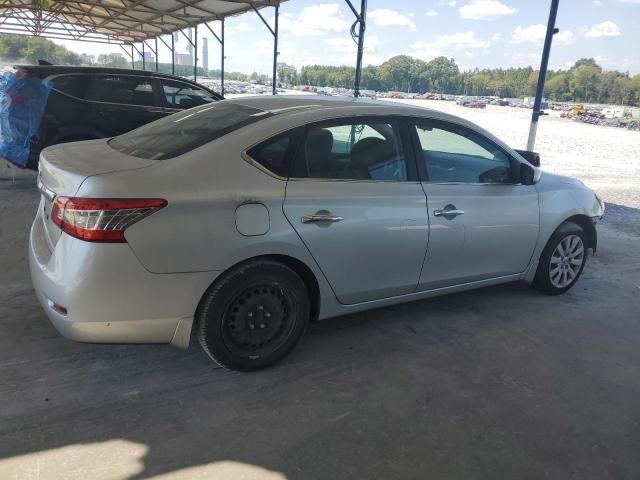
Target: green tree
{"type": "Point", "coordinates": [287, 74]}
{"type": "Point", "coordinates": [584, 82]}
{"type": "Point", "coordinates": [557, 87]}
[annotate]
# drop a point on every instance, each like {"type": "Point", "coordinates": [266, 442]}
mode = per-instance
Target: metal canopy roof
{"type": "Point", "coordinates": [115, 21]}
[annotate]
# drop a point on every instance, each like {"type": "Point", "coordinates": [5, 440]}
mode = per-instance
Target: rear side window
{"type": "Point", "coordinates": [182, 132]}
{"type": "Point", "coordinates": [276, 154]}
{"type": "Point", "coordinates": [123, 89]}
{"type": "Point", "coordinates": [75, 85]}
{"type": "Point", "coordinates": [182, 95]}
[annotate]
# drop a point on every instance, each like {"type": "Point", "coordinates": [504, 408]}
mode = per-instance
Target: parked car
{"type": "Point", "coordinates": [89, 102]}
{"type": "Point", "coordinates": [244, 220]}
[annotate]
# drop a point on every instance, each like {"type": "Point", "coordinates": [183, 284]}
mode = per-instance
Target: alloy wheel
{"type": "Point", "coordinates": [566, 261]}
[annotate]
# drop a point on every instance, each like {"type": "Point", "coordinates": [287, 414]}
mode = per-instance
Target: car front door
{"type": "Point", "coordinates": [483, 222]}
{"type": "Point", "coordinates": [354, 200]}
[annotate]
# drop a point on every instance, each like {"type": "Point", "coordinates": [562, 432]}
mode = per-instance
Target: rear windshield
{"type": "Point", "coordinates": [182, 132]}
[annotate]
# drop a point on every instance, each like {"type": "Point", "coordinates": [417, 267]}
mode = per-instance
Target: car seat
{"type": "Point", "coordinates": [317, 150]}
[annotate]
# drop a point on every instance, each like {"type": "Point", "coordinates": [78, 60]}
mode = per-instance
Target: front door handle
{"type": "Point", "coordinates": [449, 212]}
{"type": "Point", "coordinates": [321, 218]}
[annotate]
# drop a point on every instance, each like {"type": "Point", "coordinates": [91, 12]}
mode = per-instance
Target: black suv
{"type": "Point", "coordinates": [89, 102]}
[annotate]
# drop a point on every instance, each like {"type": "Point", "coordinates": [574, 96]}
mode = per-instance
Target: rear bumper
{"type": "Point", "coordinates": [109, 296]}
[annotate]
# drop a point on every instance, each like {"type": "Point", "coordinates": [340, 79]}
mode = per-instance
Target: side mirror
{"type": "Point", "coordinates": [532, 157]}
{"type": "Point", "coordinates": [528, 174]}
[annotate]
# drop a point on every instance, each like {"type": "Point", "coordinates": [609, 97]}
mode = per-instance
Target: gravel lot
{"type": "Point", "coordinates": [499, 383]}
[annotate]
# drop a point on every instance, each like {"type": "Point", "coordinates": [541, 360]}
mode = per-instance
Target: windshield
{"type": "Point", "coordinates": [182, 132]}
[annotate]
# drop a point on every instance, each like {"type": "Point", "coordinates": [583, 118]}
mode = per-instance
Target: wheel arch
{"type": "Point", "coordinates": [580, 219]}
{"type": "Point", "coordinates": [586, 223]}
{"type": "Point", "coordinates": [298, 266]}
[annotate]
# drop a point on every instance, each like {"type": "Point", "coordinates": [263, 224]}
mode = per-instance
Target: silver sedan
{"type": "Point", "coordinates": [244, 220]}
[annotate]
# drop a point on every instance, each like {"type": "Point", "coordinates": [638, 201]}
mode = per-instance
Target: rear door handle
{"type": "Point", "coordinates": [321, 218]}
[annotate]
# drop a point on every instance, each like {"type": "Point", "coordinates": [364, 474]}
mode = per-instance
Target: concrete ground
{"type": "Point", "coordinates": [499, 383]}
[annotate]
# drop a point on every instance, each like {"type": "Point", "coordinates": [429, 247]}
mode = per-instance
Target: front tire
{"type": "Point", "coordinates": [562, 260]}
{"type": "Point", "coordinates": [253, 316]}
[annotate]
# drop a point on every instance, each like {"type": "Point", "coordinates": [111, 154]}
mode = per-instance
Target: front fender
{"type": "Point", "coordinates": [557, 205]}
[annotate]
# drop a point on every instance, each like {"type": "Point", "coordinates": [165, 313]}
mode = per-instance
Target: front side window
{"type": "Point", "coordinates": [352, 150]}
{"type": "Point", "coordinates": [182, 132]}
{"type": "Point", "coordinates": [123, 89]}
{"type": "Point", "coordinates": [452, 153]}
{"type": "Point", "coordinates": [182, 95]}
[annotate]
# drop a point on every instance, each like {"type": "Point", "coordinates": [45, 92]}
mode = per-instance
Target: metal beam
{"type": "Point", "coordinates": [544, 62]}
{"type": "Point", "coordinates": [220, 39]}
{"type": "Point", "coordinates": [119, 22]}
{"type": "Point", "coordinates": [222, 59]}
{"type": "Point", "coordinates": [274, 81]}
{"type": "Point", "coordinates": [274, 32]}
{"type": "Point", "coordinates": [195, 53]}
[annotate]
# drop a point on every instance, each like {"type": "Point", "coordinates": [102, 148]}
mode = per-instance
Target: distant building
{"type": "Point", "coordinates": [183, 58]}
{"type": "Point", "coordinates": [149, 57]}
{"type": "Point", "coordinates": [205, 53]}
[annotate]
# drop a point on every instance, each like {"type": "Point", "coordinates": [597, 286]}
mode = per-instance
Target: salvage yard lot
{"type": "Point", "coordinates": [495, 383]}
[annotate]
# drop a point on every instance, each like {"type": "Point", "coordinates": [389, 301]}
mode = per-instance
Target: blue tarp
{"type": "Point", "coordinates": [22, 102]}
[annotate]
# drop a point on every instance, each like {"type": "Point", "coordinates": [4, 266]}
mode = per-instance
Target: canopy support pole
{"type": "Point", "coordinates": [361, 23]}
{"type": "Point", "coordinates": [144, 65]}
{"type": "Point", "coordinates": [173, 56]}
{"type": "Point", "coordinates": [274, 32]}
{"type": "Point", "coordinates": [535, 116]}
{"type": "Point", "coordinates": [220, 39]}
{"type": "Point", "coordinates": [155, 52]}
{"type": "Point", "coordinates": [195, 53]}
{"type": "Point", "coordinates": [139, 53]}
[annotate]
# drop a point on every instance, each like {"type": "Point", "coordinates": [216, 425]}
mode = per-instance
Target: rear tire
{"type": "Point", "coordinates": [562, 260]}
{"type": "Point", "coordinates": [253, 316]}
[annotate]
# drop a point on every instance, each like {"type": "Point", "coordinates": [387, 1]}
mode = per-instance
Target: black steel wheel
{"type": "Point", "coordinates": [253, 315]}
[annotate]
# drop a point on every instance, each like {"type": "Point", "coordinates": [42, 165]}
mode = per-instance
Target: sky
{"type": "Point", "coordinates": [476, 33]}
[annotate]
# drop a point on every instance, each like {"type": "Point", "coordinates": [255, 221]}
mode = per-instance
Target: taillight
{"type": "Point", "coordinates": [101, 219]}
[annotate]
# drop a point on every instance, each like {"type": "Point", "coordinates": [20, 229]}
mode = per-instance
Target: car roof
{"type": "Point", "coordinates": [44, 71]}
{"type": "Point", "coordinates": [327, 107]}
{"type": "Point", "coordinates": [281, 104]}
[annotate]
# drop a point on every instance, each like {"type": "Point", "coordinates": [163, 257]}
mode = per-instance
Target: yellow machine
{"type": "Point", "coordinates": [578, 110]}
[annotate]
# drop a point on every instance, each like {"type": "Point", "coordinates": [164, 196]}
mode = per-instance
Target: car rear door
{"type": "Point", "coordinates": [120, 103]}
{"type": "Point", "coordinates": [355, 202]}
{"type": "Point", "coordinates": [483, 222]}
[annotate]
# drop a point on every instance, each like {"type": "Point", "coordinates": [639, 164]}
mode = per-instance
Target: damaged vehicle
{"type": "Point", "coordinates": [240, 221]}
